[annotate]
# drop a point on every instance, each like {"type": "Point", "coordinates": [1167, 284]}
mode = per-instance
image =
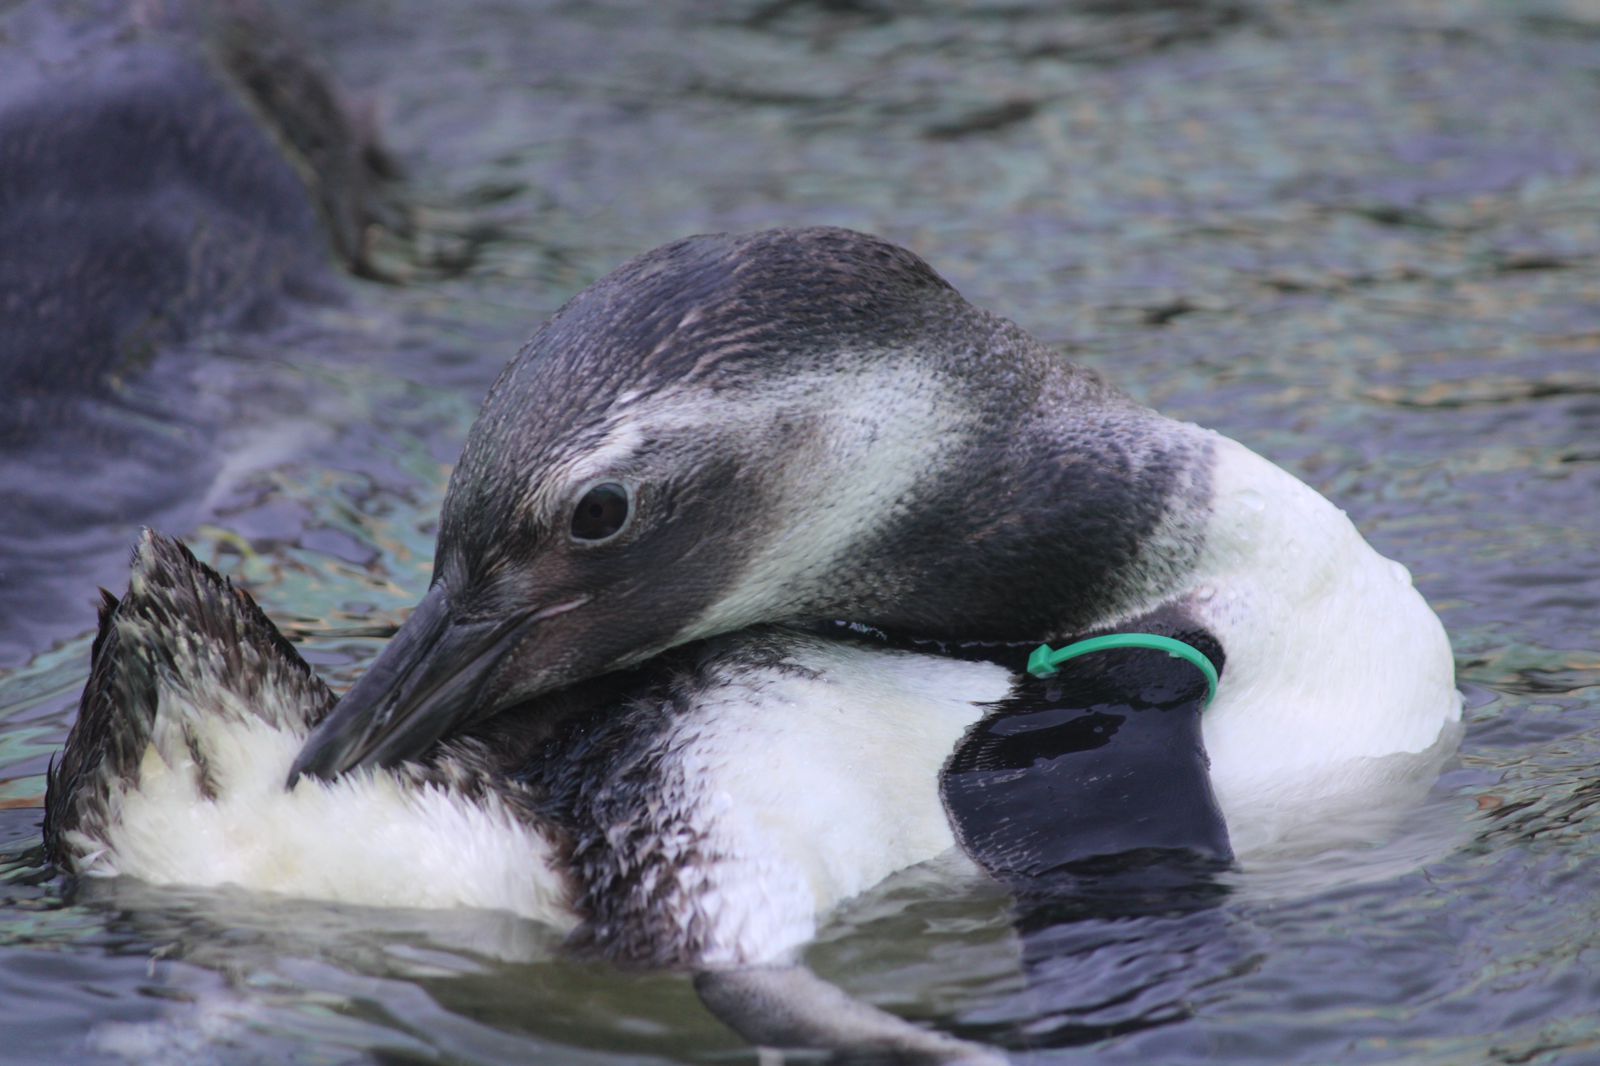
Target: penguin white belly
{"type": "Point", "coordinates": [1340, 683]}
{"type": "Point", "coordinates": [372, 838]}
{"type": "Point", "coordinates": [814, 784]}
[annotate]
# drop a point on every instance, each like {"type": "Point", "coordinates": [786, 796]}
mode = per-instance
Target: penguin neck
{"type": "Point", "coordinates": [945, 500]}
{"type": "Point", "coordinates": [1041, 520]}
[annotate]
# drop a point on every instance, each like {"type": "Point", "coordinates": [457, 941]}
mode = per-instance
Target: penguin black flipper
{"type": "Point", "coordinates": [1099, 771]}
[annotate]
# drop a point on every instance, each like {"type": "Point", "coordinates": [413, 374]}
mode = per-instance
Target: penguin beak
{"type": "Point", "coordinates": [425, 683]}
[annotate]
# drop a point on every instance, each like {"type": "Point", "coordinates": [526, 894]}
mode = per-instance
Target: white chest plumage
{"type": "Point", "coordinates": [814, 782]}
{"type": "Point", "coordinates": [375, 838]}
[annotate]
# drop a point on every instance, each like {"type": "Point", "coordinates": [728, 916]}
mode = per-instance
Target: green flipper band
{"type": "Point", "coordinates": [1043, 661]}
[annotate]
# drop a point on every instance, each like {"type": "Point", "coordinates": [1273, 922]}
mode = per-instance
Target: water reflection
{"type": "Point", "coordinates": [1359, 237]}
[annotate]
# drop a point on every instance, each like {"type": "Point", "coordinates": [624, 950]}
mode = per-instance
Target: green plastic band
{"type": "Point", "coordinates": [1043, 662]}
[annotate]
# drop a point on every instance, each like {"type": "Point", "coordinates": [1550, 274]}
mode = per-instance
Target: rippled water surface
{"type": "Point", "coordinates": [1363, 238]}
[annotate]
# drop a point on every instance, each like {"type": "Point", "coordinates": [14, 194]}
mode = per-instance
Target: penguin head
{"type": "Point", "coordinates": [782, 426]}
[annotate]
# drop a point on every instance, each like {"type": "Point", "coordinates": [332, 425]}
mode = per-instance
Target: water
{"type": "Point", "coordinates": [1362, 238]}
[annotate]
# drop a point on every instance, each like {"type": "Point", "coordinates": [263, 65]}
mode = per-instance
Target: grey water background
{"type": "Point", "coordinates": [1363, 238]}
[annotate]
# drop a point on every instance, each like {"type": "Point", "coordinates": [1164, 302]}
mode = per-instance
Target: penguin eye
{"type": "Point", "coordinates": [601, 512]}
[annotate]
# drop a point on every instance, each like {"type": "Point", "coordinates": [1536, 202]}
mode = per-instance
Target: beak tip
{"type": "Point", "coordinates": [334, 747]}
{"type": "Point", "coordinates": [306, 765]}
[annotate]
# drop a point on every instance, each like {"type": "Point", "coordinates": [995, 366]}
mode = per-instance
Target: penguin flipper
{"type": "Point", "coordinates": [1102, 763]}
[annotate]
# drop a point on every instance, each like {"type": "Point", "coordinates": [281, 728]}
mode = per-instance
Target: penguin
{"type": "Point", "coordinates": [732, 595]}
{"type": "Point", "coordinates": [794, 426]}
